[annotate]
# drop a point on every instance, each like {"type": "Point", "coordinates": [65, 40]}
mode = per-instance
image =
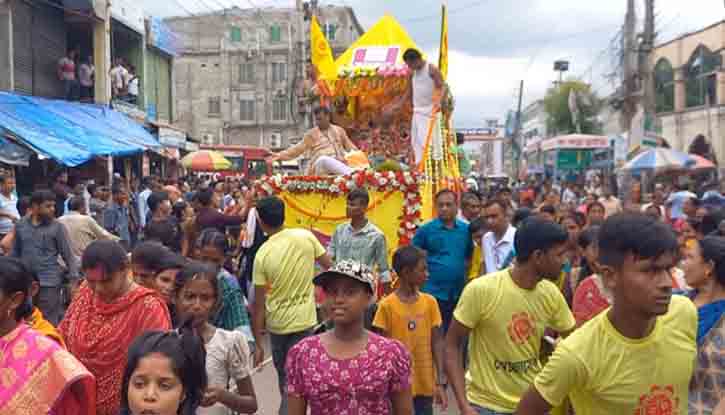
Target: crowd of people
{"type": "Point", "coordinates": [164, 298]}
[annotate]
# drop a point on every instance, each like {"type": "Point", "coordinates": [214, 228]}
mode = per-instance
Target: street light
{"type": "Point", "coordinates": [561, 67]}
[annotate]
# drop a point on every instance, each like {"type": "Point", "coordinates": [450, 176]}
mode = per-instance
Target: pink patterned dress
{"type": "Point", "coordinates": [362, 385]}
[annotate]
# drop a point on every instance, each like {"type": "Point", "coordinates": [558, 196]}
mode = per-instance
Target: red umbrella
{"type": "Point", "coordinates": [701, 163]}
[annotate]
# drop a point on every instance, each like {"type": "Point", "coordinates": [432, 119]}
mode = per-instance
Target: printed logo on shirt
{"type": "Point", "coordinates": [660, 400]}
{"type": "Point", "coordinates": [521, 327]}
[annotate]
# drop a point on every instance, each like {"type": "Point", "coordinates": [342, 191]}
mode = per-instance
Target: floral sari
{"type": "Point", "coordinates": [99, 335]}
{"type": "Point", "coordinates": [707, 389]}
{"type": "Point", "coordinates": [39, 377]}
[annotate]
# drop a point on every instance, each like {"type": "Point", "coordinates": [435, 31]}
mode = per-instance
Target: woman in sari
{"type": "Point", "coordinates": [591, 296]}
{"type": "Point", "coordinates": [704, 266]}
{"type": "Point", "coordinates": [38, 376]}
{"type": "Point", "coordinates": [108, 313]}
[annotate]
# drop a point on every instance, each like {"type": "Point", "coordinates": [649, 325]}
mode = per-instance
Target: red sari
{"type": "Point", "coordinates": [99, 335]}
{"type": "Point", "coordinates": [590, 299]}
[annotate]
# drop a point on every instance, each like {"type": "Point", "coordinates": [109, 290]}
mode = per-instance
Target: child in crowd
{"type": "Point", "coordinates": [164, 283]}
{"type": "Point", "coordinates": [211, 247]}
{"type": "Point", "coordinates": [227, 354]}
{"type": "Point", "coordinates": [164, 374]}
{"type": "Point", "coordinates": [348, 369]}
{"type": "Point", "coordinates": [145, 260]}
{"type": "Point", "coordinates": [413, 318]}
{"type": "Point", "coordinates": [477, 228]}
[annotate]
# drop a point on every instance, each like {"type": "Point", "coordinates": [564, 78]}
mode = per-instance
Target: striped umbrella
{"type": "Point", "coordinates": [659, 159]}
{"type": "Point", "coordinates": [206, 160]}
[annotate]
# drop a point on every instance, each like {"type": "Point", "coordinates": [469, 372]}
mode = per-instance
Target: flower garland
{"type": "Point", "coordinates": [406, 182]}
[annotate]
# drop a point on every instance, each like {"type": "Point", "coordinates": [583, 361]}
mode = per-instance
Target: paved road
{"type": "Point", "coordinates": [265, 385]}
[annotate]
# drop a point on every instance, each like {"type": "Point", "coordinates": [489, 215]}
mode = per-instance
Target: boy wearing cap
{"type": "Point", "coordinates": [413, 318]}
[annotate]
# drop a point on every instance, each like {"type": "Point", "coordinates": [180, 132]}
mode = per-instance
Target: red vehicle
{"type": "Point", "coordinates": [247, 162]}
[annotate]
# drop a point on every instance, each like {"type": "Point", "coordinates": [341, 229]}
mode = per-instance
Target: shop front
{"type": "Point", "coordinates": [127, 39]}
{"type": "Point", "coordinates": [567, 157]}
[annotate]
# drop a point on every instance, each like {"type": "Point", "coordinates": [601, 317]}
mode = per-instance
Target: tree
{"type": "Point", "coordinates": [559, 118]}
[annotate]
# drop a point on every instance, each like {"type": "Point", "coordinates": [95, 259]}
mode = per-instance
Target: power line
{"type": "Point", "coordinates": [450, 11]}
{"type": "Point", "coordinates": [184, 8]}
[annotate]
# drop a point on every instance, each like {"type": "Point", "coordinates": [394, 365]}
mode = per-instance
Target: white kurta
{"type": "Point", "coordinates": [423, 90]}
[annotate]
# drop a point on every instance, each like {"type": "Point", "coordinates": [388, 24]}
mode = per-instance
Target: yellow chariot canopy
{"type": "Point", "coordinates": [386, 32]}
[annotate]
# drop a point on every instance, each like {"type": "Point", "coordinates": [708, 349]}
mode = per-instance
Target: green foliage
{"type": "Point", "coordinates": [559, 120]}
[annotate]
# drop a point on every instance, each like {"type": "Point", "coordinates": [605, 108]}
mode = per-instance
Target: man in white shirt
{"type": "Point", "coordinates": [658, 200]}
{"type": "Point", "coordinates": [132, 85]}
{"type": "Point", "coordinates": [118, 78]}
{"type": "Point", "coordinates": [143, 209]}
{"type": "Point", "coordinates": [8, 205]}
{"type": "Point", "coordinates": [499, 241]}
{"type": "Point", "coordinates": [82, 229]}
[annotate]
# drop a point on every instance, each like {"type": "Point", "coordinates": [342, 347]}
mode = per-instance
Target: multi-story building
{"type": "Point", "coordinates": [241, 72]}
{"type": "Point", "coordinates": [690, 88]}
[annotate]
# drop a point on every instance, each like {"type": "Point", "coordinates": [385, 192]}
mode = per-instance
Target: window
{"type": "Point", "coordinates": [701, 77]}
{"type": "Point", "coordinates": [279, 72]}
{"type": "Point", "coordinates": [246, 73]}
{"type": "Point", "coordinates": [246, 110]}
{"type": "Point", "coordinates": [215, 106]}
{"type": "Point", "coordinates": [330, 29]}
{"type": "Point", "coordinates": [664, 86]}
{"type": "Point", "coordinates": [279, 109]}
{"type": "Point", "coordinates": [275, 33]}
{"type": "Point", "coordinates": [236, 34]}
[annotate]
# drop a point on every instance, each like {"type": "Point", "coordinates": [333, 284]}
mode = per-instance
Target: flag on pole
{"type": "Point", "coordinates": [321, 52]}
{"type": "Point", "coordinates": [443, 57]}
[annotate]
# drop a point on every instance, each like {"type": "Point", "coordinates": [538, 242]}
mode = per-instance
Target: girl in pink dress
{"type": "Point", "coordinates": [348, 370]}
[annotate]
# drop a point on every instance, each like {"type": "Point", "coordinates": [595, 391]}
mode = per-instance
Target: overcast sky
{"type": "Point", "coordinates": [496, 43]}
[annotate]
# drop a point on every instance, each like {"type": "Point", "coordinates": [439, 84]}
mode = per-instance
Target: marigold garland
{"type": "Point", "coordinates": [406, 182]}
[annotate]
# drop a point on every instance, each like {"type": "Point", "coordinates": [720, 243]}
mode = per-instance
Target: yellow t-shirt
{"type": "Point", "coordinates": [475, 262]}
{"type": "Point", "coordinates": [605, 373]}
{"type": "Point", "coordinates": [285, 264]}
{"type": "Point", "coordinates": [507, 324]}
{"type": "Point", "coordinates": [412, 325]}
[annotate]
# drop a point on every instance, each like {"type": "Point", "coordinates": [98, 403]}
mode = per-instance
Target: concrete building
{"type": "Point", "coordinates": [240, 75]}
{"type": "Point", "coordinates": [533, 119]}
{"type": "Point", "coordinates": [690, 88]}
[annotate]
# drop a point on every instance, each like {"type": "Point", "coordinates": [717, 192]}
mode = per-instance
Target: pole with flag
{"type": "Point", "coordinates": [443, 53]}
{"type": "Point", "coordinates": [321, 55]}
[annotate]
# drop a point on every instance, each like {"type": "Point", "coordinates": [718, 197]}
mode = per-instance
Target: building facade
{"type": "Point", "coordinates": [241, 72]}
{"type": "Point", "coordinates": [690, 88]}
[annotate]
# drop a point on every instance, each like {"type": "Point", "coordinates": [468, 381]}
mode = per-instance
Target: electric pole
{"type": "Point", "coordinates": [517, 142]}
{"type": "Point", "coordinates": [645, 64]}
{"type": "Point", "coordinates": [629, 105]}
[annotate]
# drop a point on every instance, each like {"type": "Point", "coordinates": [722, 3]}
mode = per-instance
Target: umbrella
{"type": "Point", "coordinates": [659, 159]}
{"type": "Point", "coordinates": [701, 163]}
{"type": "Point", "coordinates": [206, 160]}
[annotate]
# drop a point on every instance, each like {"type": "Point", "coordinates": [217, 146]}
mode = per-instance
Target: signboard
{"type": "Point", "coordinates": [172, 138]}
{"type": "Point", "coordinates": [375, 56]}
{"type": "Point", "coordinates": [573, 159]}
{"type": "Point", "coordinates": [162, 37]}
{"type": "Point", "coordinates": [573, 142]}
{"type": "Point", "coordinates": [479, 134]}
{"type": "Point", "coordinates": [129, 13]}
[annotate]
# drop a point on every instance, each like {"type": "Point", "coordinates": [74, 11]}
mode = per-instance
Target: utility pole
{"type": "Point", "coordinates": [629, 106]}
{"type": "Point", "coordinates": [645, 61]}
{"type": "Point", "coordinates": [517, 145]}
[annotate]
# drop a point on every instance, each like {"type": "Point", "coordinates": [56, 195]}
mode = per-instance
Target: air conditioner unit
{"type": "Point", "coordinates": [275, 140]}
{"type": "Point", "coordinates": [251, 53]}
{"type": "Point", "coordinates": [280, 93]}
{"type": "Point", "coordinates": [208, 138]}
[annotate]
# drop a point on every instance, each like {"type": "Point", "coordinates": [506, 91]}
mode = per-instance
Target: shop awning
{"type": "Point", "coordinates": [71, 133]}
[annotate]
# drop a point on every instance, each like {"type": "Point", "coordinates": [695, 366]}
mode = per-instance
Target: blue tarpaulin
{"type": "Point", "coordinates": [72, 133]}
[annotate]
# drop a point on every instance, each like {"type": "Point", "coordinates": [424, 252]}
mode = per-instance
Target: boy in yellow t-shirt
{"type": "Point", "coordinates": [413, 318]}
{"type": "Point", "coordinates": [638, 356]}
{"type": "Point", "coordinates": [504, 314]}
